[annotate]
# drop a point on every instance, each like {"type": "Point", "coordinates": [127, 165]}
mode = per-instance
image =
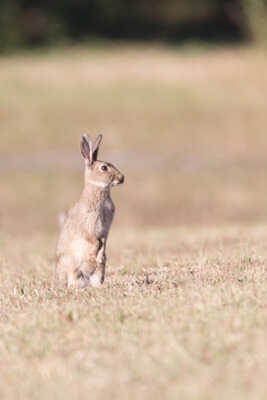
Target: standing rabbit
{"type": "Point", "coordinates": [81, 249]}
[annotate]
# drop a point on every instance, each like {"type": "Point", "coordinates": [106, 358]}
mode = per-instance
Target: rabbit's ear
{"type": "Point", "coordinates": [86, 149]}
{"type": "Point", "coordinates": [96, 147]}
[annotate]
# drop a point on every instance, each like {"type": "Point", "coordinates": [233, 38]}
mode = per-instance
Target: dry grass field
{"type": "Point", "coordinates": [183, 311]}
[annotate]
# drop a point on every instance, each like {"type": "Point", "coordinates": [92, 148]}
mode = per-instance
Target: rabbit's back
{"type": "Point", "coordinates": [80, 224]}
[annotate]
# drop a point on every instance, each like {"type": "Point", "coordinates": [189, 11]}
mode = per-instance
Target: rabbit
{"type": "Point", "coordinates": [81, 248]}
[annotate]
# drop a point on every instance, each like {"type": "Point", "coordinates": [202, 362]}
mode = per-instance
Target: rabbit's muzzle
{"type": "Point", "coordinates": [118, 180]}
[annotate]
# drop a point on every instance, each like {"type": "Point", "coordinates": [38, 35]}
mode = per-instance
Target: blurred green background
{"type": "Point", "coordinates": [33, 23]}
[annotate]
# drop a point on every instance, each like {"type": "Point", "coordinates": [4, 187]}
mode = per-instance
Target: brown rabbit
{"type": "Point", "coordinates": [81, 249]}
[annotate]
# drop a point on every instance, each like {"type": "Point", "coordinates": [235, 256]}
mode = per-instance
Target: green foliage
{"type": "Point", "coordinates": [256, 13]}
{"type": "Point", "coordinates": [31, 23]}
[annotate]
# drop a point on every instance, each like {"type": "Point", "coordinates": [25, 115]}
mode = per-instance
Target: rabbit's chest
{"type": "Point", "coordinates": [105, 218]}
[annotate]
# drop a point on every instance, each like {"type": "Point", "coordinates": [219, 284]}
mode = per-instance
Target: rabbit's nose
{"type": "Point", "coordinates": [119, 179]}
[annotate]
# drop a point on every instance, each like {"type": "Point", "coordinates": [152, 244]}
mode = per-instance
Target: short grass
{"type": "Point", "coordinates": [182, 313]}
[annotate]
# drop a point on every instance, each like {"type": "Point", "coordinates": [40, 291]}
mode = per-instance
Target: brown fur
{"type": "Point", "coordinates": [81, 250]}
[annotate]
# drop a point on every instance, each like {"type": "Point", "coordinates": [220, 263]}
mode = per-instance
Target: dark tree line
{"type": "Point", "coordinates": [38, 22]}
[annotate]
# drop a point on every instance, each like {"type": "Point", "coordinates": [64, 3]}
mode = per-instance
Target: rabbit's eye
{"type": "Point", "coordinates": [104, 167]}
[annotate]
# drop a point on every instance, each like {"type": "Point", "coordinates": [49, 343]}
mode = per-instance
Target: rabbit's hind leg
{"type": "Point", "coordinates": [77, 279]}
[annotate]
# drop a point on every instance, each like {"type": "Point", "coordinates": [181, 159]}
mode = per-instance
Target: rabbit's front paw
{"type": "Point", "coordinates": [95, 280]}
